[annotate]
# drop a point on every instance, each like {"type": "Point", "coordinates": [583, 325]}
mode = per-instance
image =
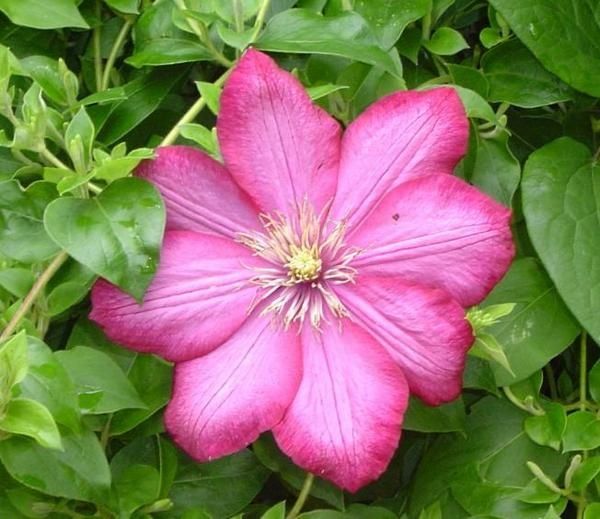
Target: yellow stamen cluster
{"type": "Point", "coordinates": [304, 265]}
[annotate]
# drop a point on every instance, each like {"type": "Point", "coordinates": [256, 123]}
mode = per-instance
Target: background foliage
{"type": "Point", "coordinates": [89, 88]}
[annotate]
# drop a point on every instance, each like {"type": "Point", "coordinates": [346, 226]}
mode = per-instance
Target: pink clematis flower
{"type": "Point", "coordinates": [314, 280]}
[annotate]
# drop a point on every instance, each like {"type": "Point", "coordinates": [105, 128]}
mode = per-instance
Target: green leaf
{"type": "Point", "coordinates": [43, 14]}
{"type": "Point", "coordinates": [355, 511]}
{"type": "Point", "coordinates": [347, 35]}
{"type": "Point", "coordinates": [211, 94]}
{"type": "Point", "coordinates": [79, 139]}
{"type": "Point", "coordinates": [562, 34]}
{"type": "Point", "coordinates": [80, 471]}
{"type": "Point", "coordinates": [240, 476]}
{"type": "Point", "coordinates": [444, 418]}
{"type": "Point", "coordinates": [389, 18]}
{"type": "Point", "coordinates": [117, 235]}
{"type": "Point", "coordinates": [143, 96]}
{"type": "Point", "coordinates": [152, 378]}
{"type": "Point", "coordinates": [318, 91]}
{"type": "Point", "coordinates": [30, 418]}
{"type": "Point", "coordinates": [101, 384]}
{"type": "Point", "coordinates": [548, 429]}
{"type": "Point", "coordinates": [159, 42]}
{"type": "Point", "coordinates": [201, 136]}
{"type": "Point", "coordinates": [585, 473]}
{"type": "Point", "coordinates": [22, 234]}
{"type": "Point", "coordinates": [496, 170]}
{"type": "Point", "coordinates": [582, 432]}
{"type": "Point", "coordinates": [44, 71]}
{"type": "Point", "coordinates": [592, 511]}
{"type": "Point", "coordinates": [560, 187]}
{"type": "Point", "coordinates": [516, 77]}
{"type": "Point", "coordinates": [594, 381]}
{"type": "Point", "coordinates": [17, 281]}
{"type": "Point", "coordinates": [486, 346]}
{"type": "Point", "coordinates": [124, 6]}
{"type": "Point", "coordinates": [136, 486]}
{"type": "Point", "coordinates": [48, 383]}
{"type": "Point", "coordinates": [275, 512]}
{"type": "Point", "coordinates": [494, 449]}
{"type": "Point", "coordinates": [114, 168]}
{"type": "Point", "coordinates": [475, 105]}
{"type": "Point", "coordinates": [446, 42]}
{"type": "Point", "coordinates": [14, 363]}
{"type": "Point", "coordinates": [540, 326]}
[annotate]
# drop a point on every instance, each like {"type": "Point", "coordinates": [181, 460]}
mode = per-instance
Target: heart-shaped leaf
{"type": "Point", "coordinates": [561, 202]}
{"type": "Point", "coordinates": [117, 234]}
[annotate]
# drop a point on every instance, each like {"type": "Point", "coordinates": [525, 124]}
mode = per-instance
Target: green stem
{"type": "Point", "coordinates": [426, 26]}
{"type": "Point", "coordinates": [114, 52]}
{"type": "Point", "coordinates": [304, 492]}
{"type": "Point", "coordinates": [190, 115]}
{"type": "Point", "coordinates": [53, 159]}
{"type": "Point", "coordinates": [583, 372]}
{"type": "Point", "coordinates": [36, 289]}
{"type": "Point", "coordinates": [202, 32]}
{"type": "Point", "coordinates": [260, 19]}
{"type": "Point", "coordinates": [97, 47]}
{"type": "Point", "coordinates": [551, 381]}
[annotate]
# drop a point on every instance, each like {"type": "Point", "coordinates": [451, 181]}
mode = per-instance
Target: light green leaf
{"type": "Point", "coordinates": [446, 41]}
{"type": "Point", "coordinates": [346, 35]}
{"type": "Point", "coordinates": [582, 432]}
{"type": "Point", "coordinates": [43, 14]}
{"type": "Point", "coordinates": [101, 384]}
{"type": "Point", "coordinates": [30, 418]}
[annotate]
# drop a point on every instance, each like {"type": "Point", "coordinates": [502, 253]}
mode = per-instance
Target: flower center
{"type": "Point", "coordinates": [304, 265]}
{"type": "Point", "coordinates": [306, 259]}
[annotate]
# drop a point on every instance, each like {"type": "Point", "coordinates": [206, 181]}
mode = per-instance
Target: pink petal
{"type": "Point", "coordinates": [403, 136]}
{"type": "Point", "coordinates": [345, 422]}
{"type": "Point", "coordinates": [438, 231]}
{"type": "Point", "coordinates": [199, 297]}
{"type": "Point", "coordinates": [223, 401]}
{"type": "Point", "coordinates": [199, 193]}
{"type": "Point", "coordinates": [278, 145]}
{"type": "Point", "coordinates": [423, 329]}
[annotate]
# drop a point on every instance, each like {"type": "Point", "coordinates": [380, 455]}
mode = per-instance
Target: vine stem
{"type": "Point", "coordinates": [114, 52]}
{"type": "Point", "coordinates": [583, 372]}
{"type": "Point", "coordinates": [304, 491]}
{"type": "Point", "coordinates": [53, 159]}
{"type": "Point", "coordinates": [97, 47]}
{"type": "Point", "coordinates": [36, 289]}
{"type": "Point", "coordinates": [190, 115]}
{"type": "Point", "coordinates": [260, 19]}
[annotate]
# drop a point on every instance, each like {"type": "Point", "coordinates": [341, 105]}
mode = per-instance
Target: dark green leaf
{"type": "Point", "coordinates": [562, 210]}
{"type": "Point", "coordinates": [169, 51]}
{"type": "Point", "coordinates": [563, 34]}
{"type": "Point", "coordinates": [65, 473]}
{"type": "Point", "coordinates": [516, 77]}
{"type": "Point", "coordinates": [124, 6]}
{"type": "Point", "coordinates": [539, 327]}
{"type": "Point", "coordinates": [117, 234]}
{"type": "Point", "coordinates": [239, 477]}
{"type": "Point", "coordinates": [445, 418]}
{"type": "Point", "coordinates": [22, 234]}
{"type": "Point", "coordinates": [548, 429]}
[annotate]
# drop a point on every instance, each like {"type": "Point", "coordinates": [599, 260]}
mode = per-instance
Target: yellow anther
{"type": "Point", "coordinates": [304, 264]}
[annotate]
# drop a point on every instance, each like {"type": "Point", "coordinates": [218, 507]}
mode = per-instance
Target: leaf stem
{"type": "Point", "coordinates": [260, 19]}
{"type": "Point", "coordinates": [114, 52]}
{"type": "Point", "coordinates": [97, 47]}
{"type": "Point", "coordinates": [583, 372]}
{"type": "Point", "coordinates": [190, 115]}
{"type": "Point", "coordinates": [36, 289]}
{"type": "Point", "coordinates": [304, 492]}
